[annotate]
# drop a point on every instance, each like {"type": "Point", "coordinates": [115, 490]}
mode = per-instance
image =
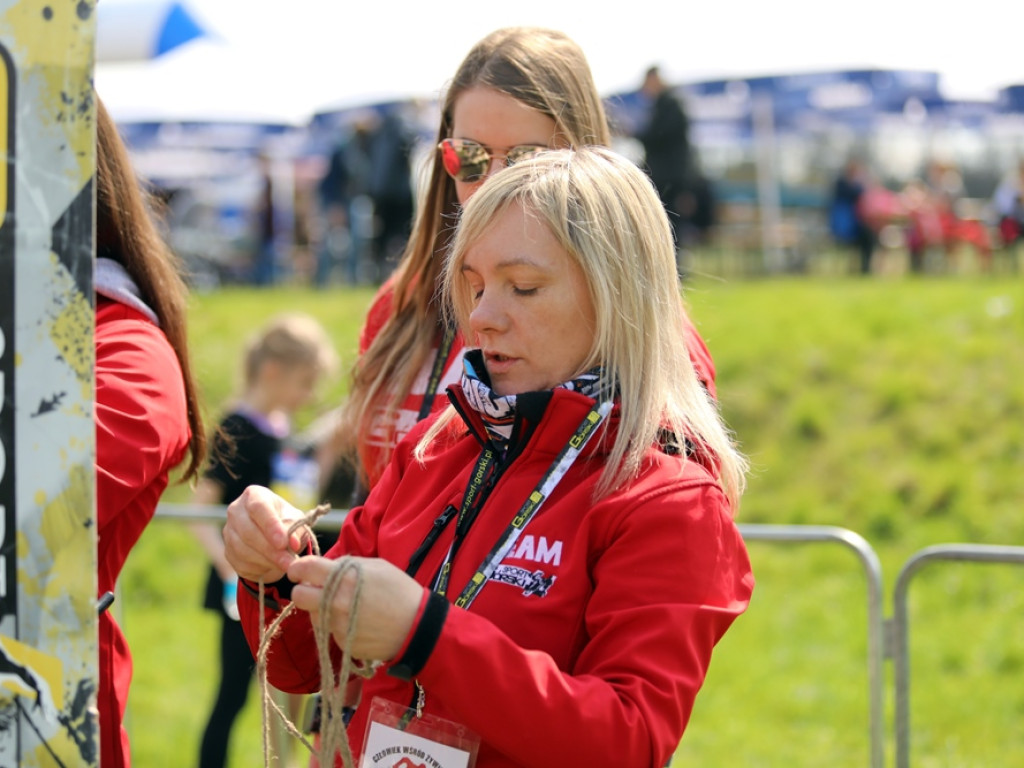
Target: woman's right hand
{"type": "Point", "coordinates": [256, 538]}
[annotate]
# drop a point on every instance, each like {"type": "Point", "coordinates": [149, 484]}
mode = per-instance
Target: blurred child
{"type": "Point", "coordinates": [252, 446]}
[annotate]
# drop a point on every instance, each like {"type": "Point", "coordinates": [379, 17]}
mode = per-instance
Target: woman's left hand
{"type": "Point", "coordinates": [388, 603]}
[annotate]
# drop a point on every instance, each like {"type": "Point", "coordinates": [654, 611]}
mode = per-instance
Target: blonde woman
{"type": "Point", "coordinates": [549, 563]}
{"type": "Point", "coordinates": [518, 91]}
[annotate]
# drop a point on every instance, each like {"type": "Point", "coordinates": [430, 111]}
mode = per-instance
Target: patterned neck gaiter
{"type": "Point", "coordinates": [498, 411]}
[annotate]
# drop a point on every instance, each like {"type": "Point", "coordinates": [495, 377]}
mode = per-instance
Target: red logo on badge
{"type": "Point", "coordinates": [405, 762]}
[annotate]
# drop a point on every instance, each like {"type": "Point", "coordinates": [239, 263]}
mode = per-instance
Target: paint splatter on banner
{"type": "Point", "coordinates": [48, 625]}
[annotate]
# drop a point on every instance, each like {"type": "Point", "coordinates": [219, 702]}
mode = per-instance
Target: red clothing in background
{"type": "Point", "coordinates": [376, 444]}
{"type": "Point", "coordinates": [141, 433]}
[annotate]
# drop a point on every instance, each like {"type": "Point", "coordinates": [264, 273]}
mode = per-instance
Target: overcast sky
{"type": "Point", "coordinates": [289, 58]}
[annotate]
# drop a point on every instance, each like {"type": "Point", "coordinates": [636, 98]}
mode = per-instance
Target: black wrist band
{"type": "Point", "coordinates": [282, 588]}
{"type": "Point", "coordinates": [424, 638]}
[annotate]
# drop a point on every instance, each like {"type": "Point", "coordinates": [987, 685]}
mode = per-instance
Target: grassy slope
{"type": "Point", "coordinates": [890, 407]}
{"type": "Point", "coordinates": [893, 409]}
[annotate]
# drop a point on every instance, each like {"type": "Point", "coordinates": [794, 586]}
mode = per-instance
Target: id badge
{"type": "Point", "coordinates": [427, 741]}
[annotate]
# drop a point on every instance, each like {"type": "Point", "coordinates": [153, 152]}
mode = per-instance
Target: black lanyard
{"type": "Point", "coordinates": [483, 468]}
{"type": "Point", "coordinates": [440, 361]}
{"type": "Point", "coordinates": [481, 475]}
{"type": "Point", "coordinates": [470, 501]}
{"type": "Point", "coordinates": [558, 469]}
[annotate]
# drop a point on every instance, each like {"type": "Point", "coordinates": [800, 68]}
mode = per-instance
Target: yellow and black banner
{"type": "Point", "coordinates": [48, 622]}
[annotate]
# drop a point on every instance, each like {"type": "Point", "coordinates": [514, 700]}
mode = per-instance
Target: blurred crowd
{"type": "Point", "coordinates": [341, 215]}
{"type": "Point", "coordinates": [930, 217]}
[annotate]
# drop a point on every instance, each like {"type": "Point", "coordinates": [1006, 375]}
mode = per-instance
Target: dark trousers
{"type": "Point", "coordinates": [866, 241]}
{"type": "Point", "coordinates": [236, 671]}
{"type": "Point", "coordinates": [394, 219]}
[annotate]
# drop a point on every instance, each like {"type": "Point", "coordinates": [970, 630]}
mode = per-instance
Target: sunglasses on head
{"type": "Point", "coordinates": [467, 160]}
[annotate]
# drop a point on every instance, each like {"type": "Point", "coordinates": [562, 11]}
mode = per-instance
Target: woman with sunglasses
{"type": "Point", "coordinates": [545, 566]}
{"type": "Point", "coordinates": [518, 91]}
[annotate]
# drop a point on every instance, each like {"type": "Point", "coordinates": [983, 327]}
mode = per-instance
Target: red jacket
{"type": "Point", "coordinates": [141, 433]}
{"type": "Point", "coordinates": [373, 446]}
{"type": "Point", "coordinates": [602, 665]}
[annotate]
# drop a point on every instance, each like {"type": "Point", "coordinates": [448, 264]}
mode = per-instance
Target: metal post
{"type": "Point", "coordinates": [768, 199]}
{"type": "Point", "coordinates": [978, 553]}
{"type": "Point", "coordinates": [48, 575]}
{"type": "Point", "coordinates": [216, 513]}
{"type": "Point", "coordinates": [873, 572]}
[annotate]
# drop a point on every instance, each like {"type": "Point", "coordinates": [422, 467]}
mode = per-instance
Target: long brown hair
{"type": "Point", "coordinates": [126, 231]}
{"type": "Point", "coordinates": [547, 71]}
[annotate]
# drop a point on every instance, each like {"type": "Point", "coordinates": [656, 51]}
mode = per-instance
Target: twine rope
{"type": "Point", "coordinates": [333, 734]}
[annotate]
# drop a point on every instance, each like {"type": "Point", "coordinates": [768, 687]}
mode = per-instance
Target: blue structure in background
{"type": "Point", "coordinates": [133, 32]}
{"type": "Point", "coordinates": [752, 132]}
{"type": "Point", "coordinates": [1011, 99]}
{"type": "Point", "coordinates": [736, 114]}
{"type": "Point", "coordinates": [178, 29]}
{"type": "Point", "coordinates": [721, 111]}
{"type": "Point", "coordinates": [725, 109]}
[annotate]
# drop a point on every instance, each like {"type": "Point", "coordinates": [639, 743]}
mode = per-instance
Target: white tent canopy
{"type": "Point", "coordinates": [286, 60]}
{"type": "Point", "coordinates": [203, 80]}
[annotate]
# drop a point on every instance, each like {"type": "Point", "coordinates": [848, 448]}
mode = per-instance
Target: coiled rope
{"type": "Point", "coordinates": [333, 734]}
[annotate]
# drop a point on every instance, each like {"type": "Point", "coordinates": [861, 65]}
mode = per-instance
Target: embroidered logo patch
{"type": "Point", "coordinates": [531, 582]}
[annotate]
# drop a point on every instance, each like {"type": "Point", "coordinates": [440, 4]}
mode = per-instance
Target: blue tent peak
{"type": "Point", "coordinates": [179, 29]}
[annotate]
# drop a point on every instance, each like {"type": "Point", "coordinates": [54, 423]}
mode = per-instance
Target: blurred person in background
{"type": "Point", "coordinates": [848, 222]}
{"type": "Point", "coordinates": [924, 228]}
{"type": "Point", "coordinates": [345, 204]}
{"type": "Point", "coordinates": [935, 219]}
{"type": "Point", "coordinates": [391, 148]}
{"type": "Point", "coordinates": [1008, 204]}
{"type": "Point", "coordinates": [264, 264]}
{"type": "Point", "coordinates": [282, 367]}
{"type": "Point", "coordinates": [147, 413]}
{"type": "Point", "coordinates": [333, 239]}
{"type": "Point", "coordinates": [670, 160]}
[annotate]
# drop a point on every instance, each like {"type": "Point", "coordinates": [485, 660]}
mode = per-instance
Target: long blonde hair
{"type": "Point", "coordinates": [607, 215]}
{"type": "Point", "coordinates": [541, 68]}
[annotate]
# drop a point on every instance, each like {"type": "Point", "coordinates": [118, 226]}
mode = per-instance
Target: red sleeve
{"type": "Point", "coordinates": [141, 414]}
{"type": "Point", "coordinates": [294, 664]}
{"type": "Point", "coordinates": [650, 637]}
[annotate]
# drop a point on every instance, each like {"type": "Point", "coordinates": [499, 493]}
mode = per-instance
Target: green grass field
{"type": "Point", "coordinates": [890, 406]}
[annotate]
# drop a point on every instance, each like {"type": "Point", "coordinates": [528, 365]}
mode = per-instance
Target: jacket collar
{"type": "Point", "coordinates": [113, 281]}
{"type": "Point", "coordinates": [544, 421]}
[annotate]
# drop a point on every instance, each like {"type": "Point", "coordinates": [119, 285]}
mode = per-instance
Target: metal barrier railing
{"type": "Point", "coordinates": [751, 532]}
{"type": "Point", "coordinates": [876, 624]}
{"type": "Point", "coordinates": [216, 513]}
{"type": "Point", "coordinates": [876, 645]}
{"type": "Point", "coordinates": [978, 553]}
